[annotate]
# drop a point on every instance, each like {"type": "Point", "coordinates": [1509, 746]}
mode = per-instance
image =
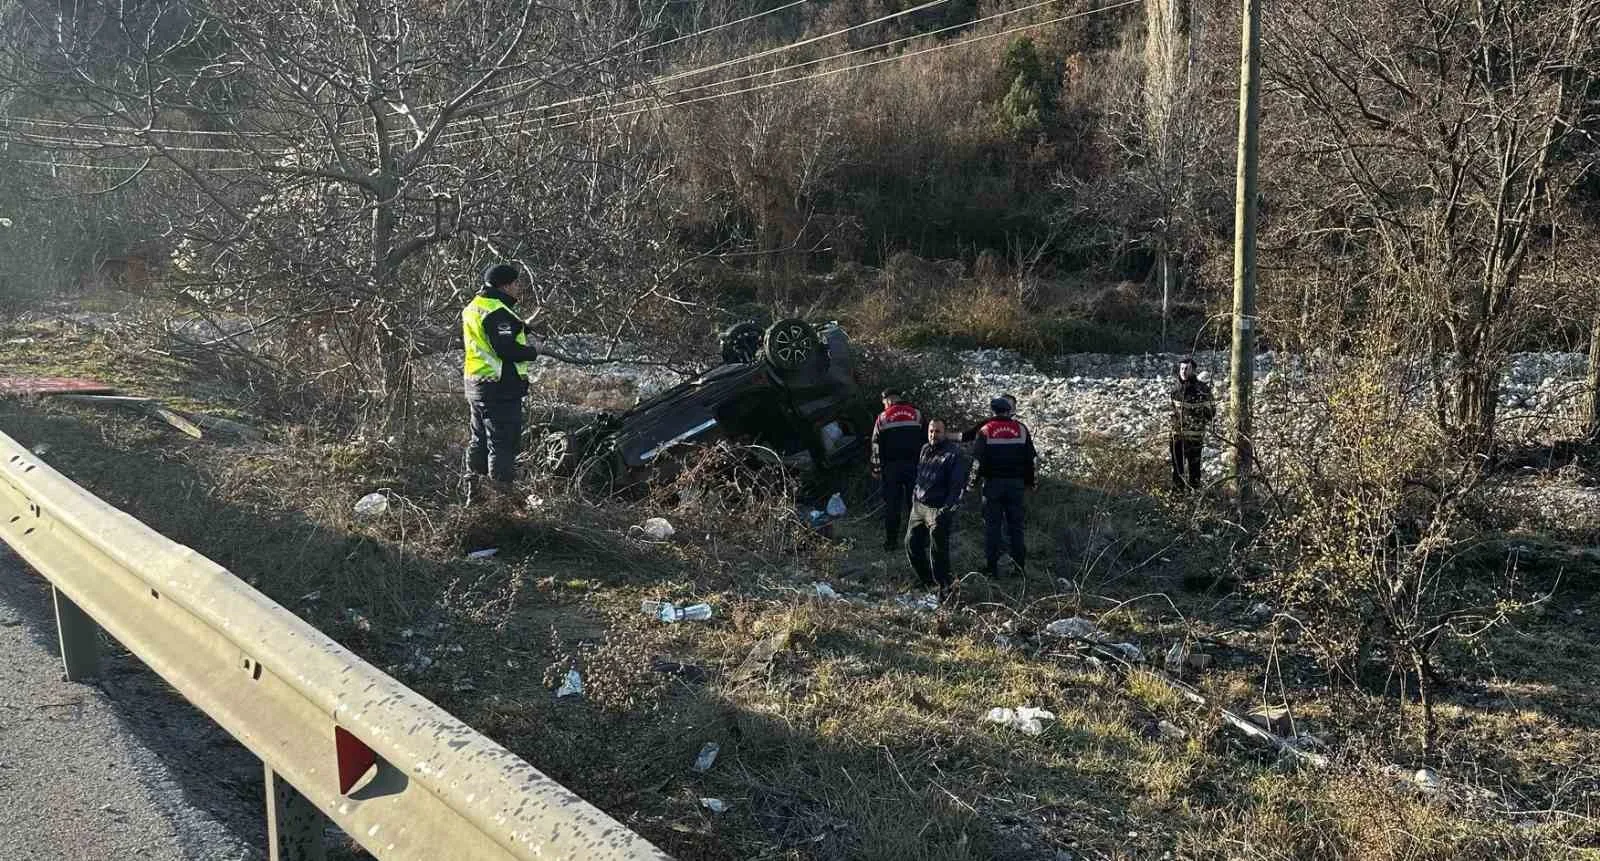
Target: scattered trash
{"type": "Point", "coordinates": [1427, 780]}
{"type": "Point", "coordinates": [572, 684]}
{"type": "Point", "coordinates": [1027, 720]}
{"type": "Point", "coordinates": [358, 619]}
{"type": "Point", "coordinates": [656, 529]}
{"type": "Point", "coordinates": [707, 757]}
{"type": "Point", "coordinates": [1177, 656]}
{"type": "Point", "coordinates": [534, 502]}
{"type": "Point", "coordinates": [924, 603]}
{"type": "Point", "coordinates": [715, 805]}
{"type": "Point", "coordinates": [485, 553]}
{"type": "Point", "coordinates": [1076, 629]}
{"type": "Point", "coordinates": [371, 505]}
{"type": "Point", "coordinates": [825, 592]}
{"type": "Point", "coordinates": [1129, 652]}
{"type": "Point", "coordinates": [836, 507]}
{"type": "Point", "coordinates": [671, 613]}
{"type": "Point", "coordinates": [42, 449]}
{"type": "Point", "coordinates": [312, 597]}
{"type": "Point", "coordinates": [1169, 731]}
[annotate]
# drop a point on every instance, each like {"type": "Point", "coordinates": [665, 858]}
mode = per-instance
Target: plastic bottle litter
{"type": "Point", "coordinates": [657, 529]}
{"type": "Point", "coordinates": [485, 553]}
{"type": "Point", "coordinates": [1027, 720]}
{"type": "Point", "coordinates": [707, 757]}
{"type": "Point", "coordinates": [671, 613]}
{"type": "Point", "coordinates": [1075, 628]}
{"type": "Point", "coordinates": [371, 505]}
{"type": "Point", "coordinates": [715, 805]}
{"type": "Point", "coordinates": [571, 685]}
{"type": "Point", "coordinates": [1130, 653]}
{"type": "Point", "coordinates": [1177, 657]}
{"type": "Point", "coordinates": [836, 506]}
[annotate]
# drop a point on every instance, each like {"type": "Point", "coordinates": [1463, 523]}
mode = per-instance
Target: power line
{"type": "Point", "coordinates": [635, 52]}
{"type": "Point", "coordinates": [606, 114]}
{"type": "Point", "coordinates": [678, 76]}
{"type": "Point", "coordinates": [898, 57]}
{"type": "Point", "coordinates": [791, 67]}
{"type": "Point", "coordinates": [743, 20]}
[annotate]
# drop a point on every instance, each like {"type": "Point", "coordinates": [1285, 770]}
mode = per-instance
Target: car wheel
{"type": "Point", "coordinates": [560, 453]}
{"type": "Point", "coordinates": [791, 344]}
{"type": "Point", "coordinates": [741, 344]}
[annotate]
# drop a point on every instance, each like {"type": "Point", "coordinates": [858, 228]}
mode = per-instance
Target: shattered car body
{"type": "Point", "coordinates": [789, 388]}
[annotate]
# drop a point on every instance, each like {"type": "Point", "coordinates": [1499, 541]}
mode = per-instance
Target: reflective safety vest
{"type": "Point", "coordinates": [480, 361]}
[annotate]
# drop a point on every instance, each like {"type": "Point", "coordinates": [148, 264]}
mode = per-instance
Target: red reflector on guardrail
{"type": "Point", "coordinates": [354, 758]}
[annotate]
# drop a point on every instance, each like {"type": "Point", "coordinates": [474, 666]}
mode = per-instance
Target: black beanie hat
{"type": "Point", "coordinates": [500, 274]}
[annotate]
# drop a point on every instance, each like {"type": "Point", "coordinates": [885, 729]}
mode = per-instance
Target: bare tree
{"type": "Point", "coordinates": [1165, 125]}
{"type": "Point", "coordinates": [352, 163]}
{"type": "Point", "coordinates": [1430, 143]}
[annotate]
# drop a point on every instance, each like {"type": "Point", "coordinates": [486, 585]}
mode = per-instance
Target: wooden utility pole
{"type": "Point", "coordinates": [1242, 370]}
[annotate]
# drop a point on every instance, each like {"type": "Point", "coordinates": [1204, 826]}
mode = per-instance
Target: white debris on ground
{"type": "Point", "coordinates": [1026, 720]}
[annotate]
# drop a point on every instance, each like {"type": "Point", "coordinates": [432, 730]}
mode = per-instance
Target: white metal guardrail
{"type": "Point", "coordinates": [336, 736]}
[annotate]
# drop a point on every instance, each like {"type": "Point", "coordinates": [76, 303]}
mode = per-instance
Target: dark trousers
{"type": "Point", "coordinates": [1185, 463]}
{"type": "Point", "coordinates": [496, 436]}
{"type": "Point", "coordinates": [898, 480]}
{"type": "Point", "coordinates": [1002, 514]}
{"type": "Point", "coordinates": [930, 523]}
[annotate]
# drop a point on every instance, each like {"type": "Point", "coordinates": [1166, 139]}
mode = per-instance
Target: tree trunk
{"type": "Point", "coordinates": [1592, 420]}
{"type": "Point", "coordinates": [1166, 296]}
{"type": "Point", "coordinates": [1430, 729]}
{"type": "Point", "coordinates": [1477, 403]}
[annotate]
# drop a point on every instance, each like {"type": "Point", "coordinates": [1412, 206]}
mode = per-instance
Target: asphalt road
{"type": "Point", "coordinates": [119, 769]}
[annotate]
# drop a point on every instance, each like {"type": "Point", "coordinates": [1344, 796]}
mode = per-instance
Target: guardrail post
{"type": "Point", "coordinates": [79, 637]}
{"type": "Point", "coordinates": [294, 825]}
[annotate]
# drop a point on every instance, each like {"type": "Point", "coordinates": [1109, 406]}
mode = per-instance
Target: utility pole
{"type": "Point", "coordinates": [1242, 369]}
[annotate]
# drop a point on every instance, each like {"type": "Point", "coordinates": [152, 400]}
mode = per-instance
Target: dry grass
{"type": "Point", "coordinates": [862, 738]}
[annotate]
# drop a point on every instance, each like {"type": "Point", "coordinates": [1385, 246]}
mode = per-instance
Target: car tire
{"type": "Point", "coordinates": [790, 344]}
{"type": "Point", "coordinates": [741, 344]}
{"type": "Point", "coordinates": [560, 453]}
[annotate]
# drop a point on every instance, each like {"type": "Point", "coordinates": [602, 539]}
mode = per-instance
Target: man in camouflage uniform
{"type": "Point", "coordinates": [1193, 408]}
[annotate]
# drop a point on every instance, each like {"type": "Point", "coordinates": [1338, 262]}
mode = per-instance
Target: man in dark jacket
{"type": "Point", "coordinates": [896, 443]}
{"type": "Point", "coordinates": [971, 434]}
{"type": "Point", "coordinates": [1193, 408]}
{"type": "Point", "coordinates": [941, 480]}
{"type": "Point", "coordinates": [1006, 463]}
{"type": "Point", "coordinates": [495, 376]}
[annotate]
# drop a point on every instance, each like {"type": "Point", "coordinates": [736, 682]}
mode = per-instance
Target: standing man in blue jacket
{"type": "Point", "coordinates": [497, 356]}
{"type": "Point", "coordinates": [1006, 464]}
{"type": "Point", "coordinates": [941, 480]}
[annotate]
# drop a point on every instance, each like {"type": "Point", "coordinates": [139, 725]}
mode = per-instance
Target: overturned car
{"type": "Point", "coordinates": [789, 388]}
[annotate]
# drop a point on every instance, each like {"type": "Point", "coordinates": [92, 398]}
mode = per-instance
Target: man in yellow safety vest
{"type": "Point", "coordinates": [495, 376]}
